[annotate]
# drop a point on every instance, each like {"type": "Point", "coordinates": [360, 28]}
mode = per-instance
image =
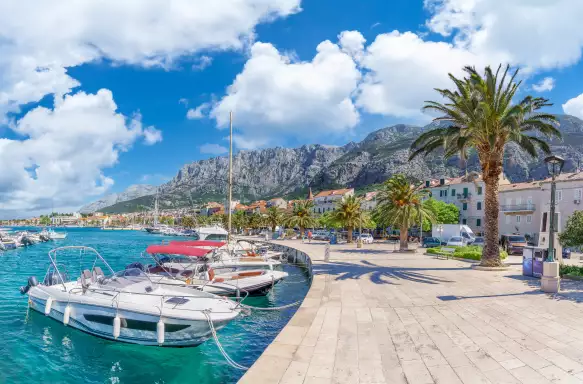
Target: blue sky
{"type": "Point", "coordinates": [100, 102]}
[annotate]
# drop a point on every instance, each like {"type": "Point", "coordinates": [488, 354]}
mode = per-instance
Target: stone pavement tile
{"type": "Point", "coordinates": [370, 371]}
{"type": "Point", "coordinates": [291, 335]}
{"type": "Point", "coordinates": [556, 374]}
{"type": "Point", "coordinates": [416, 372]}
{"type": "Point", "coordinates": [317, 380]}
{"type": "Point", "coordinates": [511, 364]}
{"type": "Point", "coordinates": [404, 345]}
{"type": "Point", "coordinates": [345, 375]}
{"type": "Point", "coordinates": [346, 357]}
{"type": "Point", "coordinates": [324, 371]}
{"type": "Point", "coordinates": [444, 374]}
{"type": "Point", "coordinates": [363, 315]}
{"type": "Point", "coordinates": [304, 317]}
{"type": "Point", "coordinates": [527, 375]}
{"type": "Point", "coordinates": [501, 376]}
{"type": "Point", "coordinates": [458, 360]}
{"type": "Point", "coordinates": [497, 352]}
{"type": "Point", "coordinates": [560, 360]}
{"type": "Point", "coordinates": [527, 356]}
{"type": "Point", "coordinates": [281, 350]}
{"type": "Point", "coordinates": [267, 369]}
{"type": "Point", "coordinates": [483, 361]}
{"type": "Point", "coordinates": [295, 373]}
{"type": "Point", "coordinates": [471, 375]}
{"type": "Point", "coordinates": [303, 354]}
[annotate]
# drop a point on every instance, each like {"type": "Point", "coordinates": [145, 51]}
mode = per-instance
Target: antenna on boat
{"type": "Point", "coordinates": [230, 186]}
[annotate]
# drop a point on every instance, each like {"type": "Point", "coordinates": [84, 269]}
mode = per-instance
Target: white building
{"type": "Point", "coordinates": [524, 207]}
{"type": "Point", "coordinates": [369, 201]}
{"type": "Point", "coordinates": [66, 220]}
{"type": "Point", "coordinates": [277, 202]}
{"type": "Point", "coordinates": [326, 201]}
{"type": "Point", "coordinates": [467, 193]}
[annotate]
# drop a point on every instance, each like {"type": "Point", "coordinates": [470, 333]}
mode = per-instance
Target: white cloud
{"type": "Point", "coordinates": [574, 106]}
{"type": "Point", "coordinates": [249, 143]}
{"type": "Point", "coordinates": [213, 149]}
{"type": "Point", "coordinates": [534, 33]}
{"type": "Point", "coordinates": [198, 112]}
{"type": "Point", "coordinates": [202, 62]}
{"type": "Point", "coordinates": [403, 70]}
{"type": "Point", "coordinates": [546, 84]}
{"type": "Point", "coordinates": [61, 160]}
{"type": "Point", "coordinates": [277, 95]}
{"type": "Point", "coordinates": [152, 136]}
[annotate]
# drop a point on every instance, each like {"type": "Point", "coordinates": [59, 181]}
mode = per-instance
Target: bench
{"type": "Point", "coordinates": [448, 252]}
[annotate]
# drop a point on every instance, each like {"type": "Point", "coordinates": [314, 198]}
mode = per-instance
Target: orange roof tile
{"type": "Point", "coordinates": [334, 192]}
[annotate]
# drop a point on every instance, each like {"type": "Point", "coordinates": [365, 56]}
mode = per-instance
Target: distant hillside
{"type": "Point", "coordinates": [131, 193]}
{"type": "Point", "coordinates": [288, 172]}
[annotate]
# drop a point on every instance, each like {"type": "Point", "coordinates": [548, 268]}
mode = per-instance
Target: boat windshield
{"type": "Point", "coordinates": [126, 277]}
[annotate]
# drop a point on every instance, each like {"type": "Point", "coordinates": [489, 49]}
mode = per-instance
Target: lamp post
{"type": "Point", "coordinates": [359, 242]}
{"type": "Point", "coordinates": [550, 281]}
{"type": "Point", "coordinates": [555, 166]}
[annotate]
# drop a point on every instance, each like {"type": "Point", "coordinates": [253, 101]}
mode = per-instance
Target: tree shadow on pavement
{"type": "Point", "coordinates": [379, 274]}
{"type": "Point", "coordinates": [571, 290]}
{"type": "Point", "coordinates": [364, 251]}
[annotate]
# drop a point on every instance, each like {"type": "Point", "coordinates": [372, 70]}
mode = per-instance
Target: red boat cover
{"type": "Point", "coordinates": [174, 249]}
{"type": "Point", "coordinates": [198, 243]}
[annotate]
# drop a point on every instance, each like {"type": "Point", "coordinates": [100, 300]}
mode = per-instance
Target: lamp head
{"type": "Point", "coordinates": [554, 164]}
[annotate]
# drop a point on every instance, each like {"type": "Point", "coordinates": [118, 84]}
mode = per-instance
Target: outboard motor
{"type": "Point", "coordinates": [32, 282]}
{"type": "Point", "coordinates": [136, 265]}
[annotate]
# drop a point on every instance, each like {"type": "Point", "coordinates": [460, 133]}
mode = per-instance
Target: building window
{"type": "Point", "coordinates": [453, 192]}
{"type": "Point", "coordinates": [479, 190]}
{"type": "Point", "coordinates": [478, 222]}
{"type": "Point", "coordinates": [465, 206]}
{"type": "Point", "coordinates": [578, 194]}
{"type": "Point", "coordinates": [518, 218]}
{"type": "Point", "coordinates": [464, 221]}
{"type": "Point", "coordinates": [559, 195]}
{"type": "Point", "coordinates": [529, 218]}
{"type": "Point", "coordinates": [466, 192]}
{"type": "Point", "coordinates": [479, 206]}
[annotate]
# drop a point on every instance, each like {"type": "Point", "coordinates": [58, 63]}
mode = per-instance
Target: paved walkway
{"type": "Point", "coordinates": [372, 316]}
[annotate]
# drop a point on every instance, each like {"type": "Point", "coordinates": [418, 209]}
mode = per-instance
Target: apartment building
{"type": "Point", "coordinates": [327, 200]}
{"type": "Point", "coordinates": [369, 201]}
{"type": "Point", "coordinates": [465, 192]}
{"type": "Point", "coordinates": [524, 207]}
{"type": "Point", "coordinates": [277, 202]}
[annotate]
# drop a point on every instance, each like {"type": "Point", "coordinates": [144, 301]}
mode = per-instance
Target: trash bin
{"type": "Point", "coordinates": [527, 259]}
{"type": "Point", "coordinates": [333, 239]}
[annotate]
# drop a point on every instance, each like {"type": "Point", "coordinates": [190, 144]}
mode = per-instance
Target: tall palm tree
{"type": "Point", "coordinates": [187, 221]}
{"type": "Point", "coordinates": [400, 204]}
{"type": "Point", "coordinates": [480, 114]}
{"type": "Point", "coordinates": [301, 216]}
{"type": "Point", "coordinates": [348, 213]}
{"type": "Point", "coordinates": [274, 217]}
{"type": "Point", "coordinates": [239, 220]}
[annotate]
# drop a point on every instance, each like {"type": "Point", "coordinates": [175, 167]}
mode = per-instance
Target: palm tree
{"type": "Point", "coordinates": [187, 222]}
{"type": "Point", "coordinates": [274, 217]}
{"type": "Point", "coordinates": [239, 220]}
{"type": "Point", "coordinates": [480, 115]}
{"type": "Point", "coordinates": [348, 213]}
{"type": "Point", "coordinates": [301, 216]}
{"type": "Point", "coordinates": [400, 204]}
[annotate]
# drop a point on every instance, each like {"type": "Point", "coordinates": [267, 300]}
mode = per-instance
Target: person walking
{"type": "Point", "coordinates": [309, 236]}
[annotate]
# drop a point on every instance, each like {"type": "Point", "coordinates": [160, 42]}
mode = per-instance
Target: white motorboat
{"type": "Point", "coordinates": [53, 235]}
{"type": "Point", "coordinates": [215, 233]}
{"type": "Point", "coordinates": [127, 306]}
{"type": "Point", "coordinates": [189, 266]}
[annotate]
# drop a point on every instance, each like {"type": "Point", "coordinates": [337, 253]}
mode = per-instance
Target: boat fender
{"type": "Point", "coordinates": [116, 326]}
{"type": "Point", "coordinates": [160, 330]}
{"type": "Point", "coordinates": [48, 305]}
{"type": "Point", "coordinates": [67, 315]}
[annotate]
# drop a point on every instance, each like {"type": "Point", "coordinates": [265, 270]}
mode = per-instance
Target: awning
{"type": "Point", "coordinates": [174, 249]}
{"type": "Point", "coordinates": [198, 243]}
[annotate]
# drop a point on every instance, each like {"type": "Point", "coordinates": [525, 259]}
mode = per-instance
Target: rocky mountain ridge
{"type": "Point", "coordinates": [272, 172]}
{"type": "Point", "coordinates": [132, 192]}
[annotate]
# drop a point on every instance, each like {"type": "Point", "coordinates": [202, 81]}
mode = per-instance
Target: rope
{"type": "Point", "coordinates": [221, 349]}
{"type": "Point", "coordinates": [271, 308]}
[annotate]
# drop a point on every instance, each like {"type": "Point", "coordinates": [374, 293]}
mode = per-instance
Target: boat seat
{"type": "Point", "coordinates": [85, 278]}
{"type": "Point", "coordinates": [98, 274]}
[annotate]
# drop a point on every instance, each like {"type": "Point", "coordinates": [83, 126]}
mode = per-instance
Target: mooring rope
{"type": "Point", "coordinates": [231, 362]}
{"type": "Point", "coordinates": [270, 308]}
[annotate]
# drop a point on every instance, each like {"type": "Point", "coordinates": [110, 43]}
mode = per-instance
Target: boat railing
{"type": "Point", "coordinates": [82, 249]}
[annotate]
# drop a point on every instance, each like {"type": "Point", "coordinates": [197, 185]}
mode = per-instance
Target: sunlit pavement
{"type": "Point", "coordinates": [374, 316]}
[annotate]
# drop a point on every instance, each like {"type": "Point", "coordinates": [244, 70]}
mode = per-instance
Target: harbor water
{"type": "Point", "coordinates": [35, 348]}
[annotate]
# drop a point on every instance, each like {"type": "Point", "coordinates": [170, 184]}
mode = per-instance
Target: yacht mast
{"type": "Point", "coordinates": [230, 186]}
{"type": "Point", "coordinates": [156, 209]}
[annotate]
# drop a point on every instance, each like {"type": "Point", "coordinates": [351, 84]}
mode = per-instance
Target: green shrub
{"type": "Point", "coordinates": [572, 270]}
{"type": "Point", "coordinates": [471, 252]}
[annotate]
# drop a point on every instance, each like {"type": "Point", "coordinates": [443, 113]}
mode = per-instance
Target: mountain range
{"type": "Point", "coordinates": [289, 172]}
{"type": "Point", "coordinates": [132, 192]}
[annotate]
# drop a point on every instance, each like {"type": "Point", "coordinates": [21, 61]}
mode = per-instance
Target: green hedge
{"type": "Point", "coordinates": [571, 270]}
{"type": "Point", "coordinates": [467, 252]}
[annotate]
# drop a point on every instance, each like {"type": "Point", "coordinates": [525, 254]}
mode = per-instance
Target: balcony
{"type": "Point", "coordinates": [518, 208]}
{"type": "Point", "coordinates": [464, 196]}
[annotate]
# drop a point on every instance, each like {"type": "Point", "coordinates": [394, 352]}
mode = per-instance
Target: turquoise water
{"type": "Point", "coordinates": [39, 349]}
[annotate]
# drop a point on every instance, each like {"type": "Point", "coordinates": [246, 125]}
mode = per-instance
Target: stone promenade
{"type": "Point", "coordinates": [373, 316]}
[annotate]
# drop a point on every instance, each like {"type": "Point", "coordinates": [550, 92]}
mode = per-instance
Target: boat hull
{"type": "Point", "coordinates": [140, 328]}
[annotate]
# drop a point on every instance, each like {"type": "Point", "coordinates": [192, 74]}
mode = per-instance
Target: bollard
{"type": "Point", "coordinates": [327, 253]}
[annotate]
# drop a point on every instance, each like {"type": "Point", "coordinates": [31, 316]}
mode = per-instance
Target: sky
{"type": "Point", "coordinates": [97, 95]}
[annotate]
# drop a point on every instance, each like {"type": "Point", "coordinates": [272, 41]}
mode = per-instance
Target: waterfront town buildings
{"type": "Point", "coordinates": [326, 201]}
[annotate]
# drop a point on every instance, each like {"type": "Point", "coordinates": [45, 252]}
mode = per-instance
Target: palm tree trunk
{"type": "Point", "coordinates": [302, 233]}
{"type": "Point", "coordinates": [404, 243]}
{"type": "Point", "coordinates": [491, 252]}
{"type": "Point", "coordinates": [349, 234]}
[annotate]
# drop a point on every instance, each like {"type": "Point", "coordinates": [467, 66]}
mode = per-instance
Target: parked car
{"type": "Point", "coordinates": [478, 241]}
{"type": "Point", "coordinates": [456, 241]}
{"type": "Point", "coordinates": [513, 243]}
{"type": "Point", "coordinates": [430, 242]}
{"type": "Point", "coordinates": [366, 238]}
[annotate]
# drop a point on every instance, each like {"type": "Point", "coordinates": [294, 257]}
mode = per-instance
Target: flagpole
{"type": "Point", "coordinates": [230, 171]}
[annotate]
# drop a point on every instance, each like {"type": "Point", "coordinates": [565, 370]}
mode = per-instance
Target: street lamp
{"type": "Point", "coordinates": [555, 166]}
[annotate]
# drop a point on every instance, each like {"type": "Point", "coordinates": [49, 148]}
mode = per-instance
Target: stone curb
{"type": "Point", "coordinates": [481, 268]}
